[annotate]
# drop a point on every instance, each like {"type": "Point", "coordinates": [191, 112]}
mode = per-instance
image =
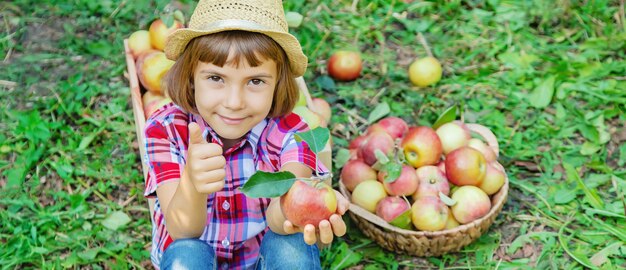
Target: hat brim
{"type": "Point", "coordinates": [178, 40]}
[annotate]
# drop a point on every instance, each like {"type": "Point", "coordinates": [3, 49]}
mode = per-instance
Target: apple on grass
{"type": "Point", "coordinates": [471, 204]}
{"type": "Point", "coordinates": [453, 135]}
{"type": "Point", "coordinates": [368, 193]}
{"type": "Point", "coordinates": [421, 146]}
{"type": "Point", "coordinates": [356, 171]}
{"type": "Point", "coordinates": [429, 213]}
{"type": "Point", "coordinates": [376, 140]}
{"type": "Point", "coordinates": [392, 207]}
{"type": "Point", "coordinates": [345, 65]}
{"type": "Point", "coordinates": [465, 166]}
{"type": "Point", "coordinates": [431, 181]}
{"type": "Point", "coordinates": [159, 32]}
{"type": "Point", "coordinates": [308, 202]}
{"type": "Point", "coordinates": [139, 42]}
{"type": "Point", "coordinates": [151, 67]}
{"type": "Point", "coordinates": [404, 185]}
{"type": "Point", "coordinates": [425, 71]}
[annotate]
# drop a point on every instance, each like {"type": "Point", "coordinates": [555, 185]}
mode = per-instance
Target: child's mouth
{"type": "Point", "coordinates": [232, 120]}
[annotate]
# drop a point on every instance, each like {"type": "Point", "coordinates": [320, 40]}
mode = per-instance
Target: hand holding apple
{"type": "Point", "coordinates": [308, 202]}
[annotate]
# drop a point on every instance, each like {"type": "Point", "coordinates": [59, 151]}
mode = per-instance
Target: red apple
{"type": "Point", "coordinates": [453, 135]}
{"type": "Point", "coordinates": [429, 213]}
{"type": "Point", "coordinates": [494, 179]}
{"type": "Point", "coordinates": [356, 171]}
{"type": "Point", "coordinates": [431, 181]}
{"type": "Point", "coordinates": [357, 142]}
{"type": "Point", "coordinates": [389, 208]}
{"type": "Point", "coordinates": [345, 65]}
{"type": "Point", "coordinates": [139, 42]}
{"type": "Point", "coordinates": [322, 108]}
{"type": "Point", "coordinates": [152, 102]}
{"type": "Point", "coordinates": [159, 32]}
{"type": "Point", "coordinates": [465, 166]}
{"type": "Point", "coordinates": [421, 146]}
{"type": "Point", "coordinates": [376, 140]}
{"type": "Point", "coordinates": [395, 126]}
{"type": "Point", "coordinates": [151, 67]}
{"type": "Point", "coordinates": [368, 193]}
{"type": "Point", "coordinates": [471, 203]}
{"type": "Point", "coordinates": [308, 202]}
{"type": "Point", "coordinates": [404, 185]}
{"type": "Point", "coordinates": [479, 145]}
{"type": "Point", "coordinates": [442, 166]}
{"type": "Point", "coordinates": [425, 71]}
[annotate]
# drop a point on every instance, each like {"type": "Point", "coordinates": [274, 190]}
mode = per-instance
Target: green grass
{"type": "Point", "coordinates": [546, 76]}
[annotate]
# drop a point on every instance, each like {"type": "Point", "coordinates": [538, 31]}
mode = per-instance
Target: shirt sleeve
{"type": "Point", "coordinates": [294, 151]}
{"type": "Point", "coordinates": [165, 155]}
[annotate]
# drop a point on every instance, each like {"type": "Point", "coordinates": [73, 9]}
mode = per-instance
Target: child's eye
{"type": "Point", "coordinates": [215, 78]}
{"type": "Point", "coordinates": [256, 82]}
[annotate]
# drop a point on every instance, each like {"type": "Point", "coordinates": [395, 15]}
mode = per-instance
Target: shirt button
{"type": "Point", "coordinates": [225, 242]}
{"type": "Point", "coordinates": [224, 266]}
{"type": "Point", "coordinates": [225, 205]}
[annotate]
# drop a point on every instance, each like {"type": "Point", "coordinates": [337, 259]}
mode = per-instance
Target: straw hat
{"type": "Point", "coordinates": [261, 16]}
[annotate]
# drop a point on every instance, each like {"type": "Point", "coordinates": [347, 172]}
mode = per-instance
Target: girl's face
{"type": "Point", "coordinates": [233, 99]}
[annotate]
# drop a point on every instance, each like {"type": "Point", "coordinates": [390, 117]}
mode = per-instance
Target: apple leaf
{"type": "Point", "coordinates": [542, 95]}
{"type": "Point", "coordinates": [403, 221]}
{"type": "Point", "coordinates": [447, 116]}
{"type": "Point", "coordinates": [393, 171]}
{"type": "Point", "coordinates": [381, 157]}
{"type": "Point", "coordinates": [445, 199]}
{"type": "Point", "coordinates": [268, 185]}
{"type": "Point", "coordinates": [294, 19]}
{"type": "Point", "coordinates": [116, 220]}
{"type": "Point", "coordinates": [381, 110]}
{"type": "Point", "coordinates": [342, 156]}
{"type": "Point", "coordinates": [316, 138]}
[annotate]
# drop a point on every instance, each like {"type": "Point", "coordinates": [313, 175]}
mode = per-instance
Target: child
{"type": "Point", "coordinates": [232, 88]}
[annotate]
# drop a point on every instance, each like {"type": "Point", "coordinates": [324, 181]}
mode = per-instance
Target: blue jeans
{"type": "Point", "coordinates": [277, 252]}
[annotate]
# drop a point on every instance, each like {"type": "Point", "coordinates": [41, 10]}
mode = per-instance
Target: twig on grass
{"type": "Point", "coordinates": [353, 114]}
{"type": "Point", "coordinates": [422, 40]}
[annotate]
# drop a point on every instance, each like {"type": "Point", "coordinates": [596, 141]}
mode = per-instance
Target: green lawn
{"type": "Point", "coordinates": [548, 77]}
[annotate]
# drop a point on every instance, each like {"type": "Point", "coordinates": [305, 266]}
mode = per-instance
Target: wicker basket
{"type": "Point", "coordinates": [424, 243]}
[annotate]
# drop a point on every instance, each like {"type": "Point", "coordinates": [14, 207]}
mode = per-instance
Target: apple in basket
{"type": "Point", "coordinates": [139, 42]}
{"type": "Point", "coordinates": [404, 185]}
{"type": "Point", "coordinates": [392, 207]}
{"type": "Point", "coordinates": [481, 146]}
{"type": "Point", "coordinates": [152, 102]}
{"type": "Point", "coordinates": [431, 181]}
{"type": "Point", "coordinates": [368, 193]}
{"type": "Point", "coordinates": [159, 32]}
{"type": "Point", "coordinates": [471, 203]}
{"type": "Point", "coordinates": [494, 178]}
{"type": "Point", "coordinates": [421, 146]}
{"type": "Point", "coordinates": [356, 171]}
{"type": "Point", "coordinates": [429, 213]}
{"type": "Point", "coordinates": [376, 140]}
{"type": "Point", "coordinates": [322, 108]}
{"type": "Point", "coordinates": [465, 166]}
{"type": "Point", "coordinates": [151, 67]}
{"type": "Point", "coordinates": [395, 126]}
{"type": "Point", "coordinates": [308, 202]}
{"type": "Point", "coordinates": [453, 135]}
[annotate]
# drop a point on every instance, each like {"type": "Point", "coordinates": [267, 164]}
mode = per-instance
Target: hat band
{"type": "Point", "coordinates": [235, 24]}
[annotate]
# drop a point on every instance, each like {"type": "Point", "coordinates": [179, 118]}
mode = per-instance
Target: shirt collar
{"type": "Point", "coordinates": [252, 137]}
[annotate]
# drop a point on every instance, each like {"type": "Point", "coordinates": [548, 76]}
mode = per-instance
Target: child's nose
{"type": "Point", "coordinates": [234, 100]}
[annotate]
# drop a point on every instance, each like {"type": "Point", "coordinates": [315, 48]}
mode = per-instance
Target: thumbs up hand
{"type": "Point", "coordinates": [205, 162]}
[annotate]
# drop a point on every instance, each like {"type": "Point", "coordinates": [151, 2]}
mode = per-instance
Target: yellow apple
{"type": "Point", "coordinates": [151, 67]}
{"type": "Point", "coordinates": [139, 42]}
{"type": "Point", "coordinates": [159, 32]}
{"type": "Point", "coordinates": [425, 71]}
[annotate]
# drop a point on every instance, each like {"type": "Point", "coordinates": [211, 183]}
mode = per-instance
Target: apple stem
{"type": "Point", "coordinates": [406, 200]}
{"type": "Point", "coordinates": [424, 44]}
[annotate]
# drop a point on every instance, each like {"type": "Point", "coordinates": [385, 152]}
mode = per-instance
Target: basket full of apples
{"type": "Point", "coordinates": [422, 190]}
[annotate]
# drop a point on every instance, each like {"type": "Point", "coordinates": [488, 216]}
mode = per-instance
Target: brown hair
{"type": "Point", "coordinates": [215, 48]}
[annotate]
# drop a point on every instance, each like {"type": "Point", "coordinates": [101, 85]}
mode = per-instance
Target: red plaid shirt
{"type": "Point", "coordinates": [235, 223]}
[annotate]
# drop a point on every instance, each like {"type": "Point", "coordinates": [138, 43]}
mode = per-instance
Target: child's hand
{"type": "Point", "coordinates": [327, 228]}
{"type": "Point", "coordinates": [205, 162]}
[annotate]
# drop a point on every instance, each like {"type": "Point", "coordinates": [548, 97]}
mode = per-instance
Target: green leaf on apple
{"type": "Point", "coordinates": [393, 171]}
{"type": "Point", "coordinates": [268, 185]}
{"type": "Point", "coordinates": [446, 200]}
{"type": "Point", "coordinates": [447, 116]}
{"type": "Point", "coordinates": [403, 221]}
{"type": "Point", "coordinates": [316, 138]}
{"type": "Point", "coordinates": [381, 110]}
{"type": "Point", "coordinates": [381, 157]}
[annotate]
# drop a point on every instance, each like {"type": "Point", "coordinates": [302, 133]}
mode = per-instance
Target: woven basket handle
{"type": "Point", "coordinates": [487, 134]}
